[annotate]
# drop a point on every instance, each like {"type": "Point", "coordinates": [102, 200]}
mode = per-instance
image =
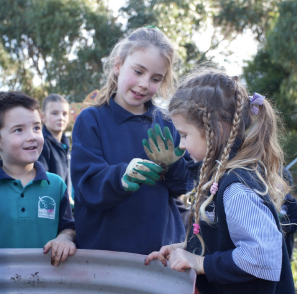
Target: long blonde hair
{"type": "Point", "coordinates": [220, 106]}
{"type": "Point", "coordinates": [140, 39]}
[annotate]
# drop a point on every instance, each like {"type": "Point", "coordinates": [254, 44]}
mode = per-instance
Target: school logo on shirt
{"type": "Point", "coordinates": [46, 207]}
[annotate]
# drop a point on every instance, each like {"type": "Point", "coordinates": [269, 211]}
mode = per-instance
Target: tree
{"type": "Point", "coordinates": [60, 41]}
{"type": "Point", "coordinates": [183, 20]}
{"type": "Point", "coordinates": [274, 68]}
{"type": "Point", "coordinates": [178, 19]}
{"type": "Point", "coordinates": [273, 71]}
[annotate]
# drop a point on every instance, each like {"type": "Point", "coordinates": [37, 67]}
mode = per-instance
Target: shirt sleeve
{"type": "Point", "coordinates": [96, 183]}
{"type": "Point", "coordinates": [66, 220]}
{"type": "Point", "coordinates": [254, 232]}
{"type": "Point", "coordinates": [177, 178]}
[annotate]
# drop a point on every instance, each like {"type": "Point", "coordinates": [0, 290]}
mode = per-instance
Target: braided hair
{"type": "Point", "coordinates": [219, 106]}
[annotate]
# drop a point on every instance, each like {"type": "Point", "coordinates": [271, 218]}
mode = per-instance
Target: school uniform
{"type": "Point", "coordinates": [245, 249]}
{"type": "Point", "coordinates": [54, 155]}
{"type": "Point", "coordinates": [31, 216]}
{"type": "Point", "coordinates": [105, 140]}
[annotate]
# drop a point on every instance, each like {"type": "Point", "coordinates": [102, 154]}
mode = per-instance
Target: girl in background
{"type": "Point", "coordinates": [120, 202]}
{"type": "Point", "coordinates": [235, 244]}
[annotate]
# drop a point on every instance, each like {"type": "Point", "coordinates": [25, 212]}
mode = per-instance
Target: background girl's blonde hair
{"type": "Point", "coordinates": [220, 107]}
{"type": "Point", "coordinates": [140, 39]}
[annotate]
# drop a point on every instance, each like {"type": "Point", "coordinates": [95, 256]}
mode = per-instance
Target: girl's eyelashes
{"type": "Point", "coordinates": [18, 130]}
{"type": "Point", "coordinates": [156, 80]}
{"type": "Point", "coordinates": [138, 72]}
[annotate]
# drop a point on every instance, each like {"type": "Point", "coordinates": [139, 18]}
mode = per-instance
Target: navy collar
{"type": "Point", "coordinates": [120, 114]}
{"type": "Point", "coordinates": [47, 134]}
{"type": "Point", "coordinates": [40, 173]}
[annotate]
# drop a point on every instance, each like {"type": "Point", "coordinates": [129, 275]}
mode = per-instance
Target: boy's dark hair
{"type": "Point", "coordinates": [53, 98]}
{"type": "Point", "coordinates": [11, 99]}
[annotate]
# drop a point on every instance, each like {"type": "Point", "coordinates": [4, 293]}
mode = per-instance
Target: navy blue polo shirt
{"type": "Point", "coordinates": [54, 155]}
{"type": "Point", "coordinates": [31, 216]}
{"type": "Point", "coordinates": [104, 140]}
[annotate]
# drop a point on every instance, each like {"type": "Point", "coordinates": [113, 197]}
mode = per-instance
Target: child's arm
{"type": "Point", "coordinates": [178, 258]}
{"type": "Point", "coordinates": [97, 184]}
{"type": "Point", "coordinates": [62, 246]}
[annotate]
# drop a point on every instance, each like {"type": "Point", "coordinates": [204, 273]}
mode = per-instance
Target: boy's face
{"type": "Point", "coordinates": [21, 139]}
{"type": "Point", "coordinates": [56, 116]}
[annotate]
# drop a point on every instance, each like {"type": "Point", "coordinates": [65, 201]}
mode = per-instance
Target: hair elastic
{"type": "Point", "coordinates": [256, 99]}
{"type": "Point", "coordinates": [153, 27]}
{"type": "Point", "coordinates": [214, 188]}
{"type": "Point", "coordinates": [196, 228]}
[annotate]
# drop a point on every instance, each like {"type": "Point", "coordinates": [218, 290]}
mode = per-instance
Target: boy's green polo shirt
{"type": "Point", "coordinates": [30, 216]}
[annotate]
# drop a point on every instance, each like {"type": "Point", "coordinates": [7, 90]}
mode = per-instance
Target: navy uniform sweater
{"type": "Point", "coordinates": [54, 155]}
{"type": "Point", "coordinates": [222, 275]}
{"type": "Point", "coordinates": [105, 140]}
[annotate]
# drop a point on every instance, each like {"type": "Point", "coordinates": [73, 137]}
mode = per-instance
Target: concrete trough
{"type": "Point", "coordinates": [89, 271]}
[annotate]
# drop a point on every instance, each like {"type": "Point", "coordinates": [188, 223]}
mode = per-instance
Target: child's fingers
{"type": "Point", "coordinates": [72, 249]}
{"type": "Point", "coordinates": [150, 257]}
{"type": "Point", "coordinates": [178, 265]}
{"type": "Point", "coordinates": [47, 247]}
{"type": "Point", "coordinates": [146, 146]}
{"type": "Point", "coordinates": [64, 253]}
{"type": "Point", "coordinates": [56, 255]}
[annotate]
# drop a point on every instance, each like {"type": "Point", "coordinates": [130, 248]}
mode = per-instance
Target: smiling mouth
{"type": "Point", "coordinates": [138, 94]}
{"type": "Point", "coordinates": [31, 148]}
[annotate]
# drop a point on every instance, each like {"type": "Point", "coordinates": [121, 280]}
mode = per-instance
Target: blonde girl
{"type": "Point", "coordinates": [235, 244]}
{"type": "Point", "coordinates": [121, 204]}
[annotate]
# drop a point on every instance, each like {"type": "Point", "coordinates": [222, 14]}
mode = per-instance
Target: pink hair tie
{"type": "Point", "coordinates": [214, 188]}
{"type": "Point", "coordinates": [196, 228]}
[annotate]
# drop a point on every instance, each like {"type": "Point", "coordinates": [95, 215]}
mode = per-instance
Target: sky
{"type": "Point", "coordinates": [244, 47]}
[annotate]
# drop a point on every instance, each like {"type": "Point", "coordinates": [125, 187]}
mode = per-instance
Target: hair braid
{"type": "Point", "coordinates": [203, 174]}
{"type": "Point", "coordinates": [226, 152]}
{"type": "Point", "coordinates": [229, 105]}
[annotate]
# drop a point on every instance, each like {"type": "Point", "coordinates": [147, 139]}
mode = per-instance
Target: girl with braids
{"type": "Point", "coordinates": [234, 241]}
{"type": "Point", "coordinates": [120, 202]}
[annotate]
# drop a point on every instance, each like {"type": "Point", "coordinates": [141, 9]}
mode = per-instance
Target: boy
{"type": "Point", "coordinates": [34, 205]}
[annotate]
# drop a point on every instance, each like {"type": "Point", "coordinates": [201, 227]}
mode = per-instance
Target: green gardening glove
{"type": "Point", "coordinates": [160, 149]}
{"type": "Point", "coordinates": [141, 171]}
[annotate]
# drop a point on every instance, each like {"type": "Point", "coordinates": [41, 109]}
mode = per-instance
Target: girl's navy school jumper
{"type": "Point", "coordinates": [105, 140]}
{"type": "Point", "coordinates": [222, 275]}
{"type": "Point", "coordinates": [54, 155]}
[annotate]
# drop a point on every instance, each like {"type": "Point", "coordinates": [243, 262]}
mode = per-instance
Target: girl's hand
{"type": "Point", "coordinates": [140, 171]}
{"type": "Point", "coordinates": [163, 254]}
{"type": "Point", "coordinates": [160, 146]}
{"type": "Point", "coordinates": [180, 260]}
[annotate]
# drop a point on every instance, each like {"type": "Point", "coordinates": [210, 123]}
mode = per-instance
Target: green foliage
{"type": "Point", "coordinates": [273, 70]}
{"type": "Point", "coordinates": [179, 20]}
{"type": "Point", "coordinates": [238, 15]}
{"type": "Point", "coordinates": [61, 41]}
